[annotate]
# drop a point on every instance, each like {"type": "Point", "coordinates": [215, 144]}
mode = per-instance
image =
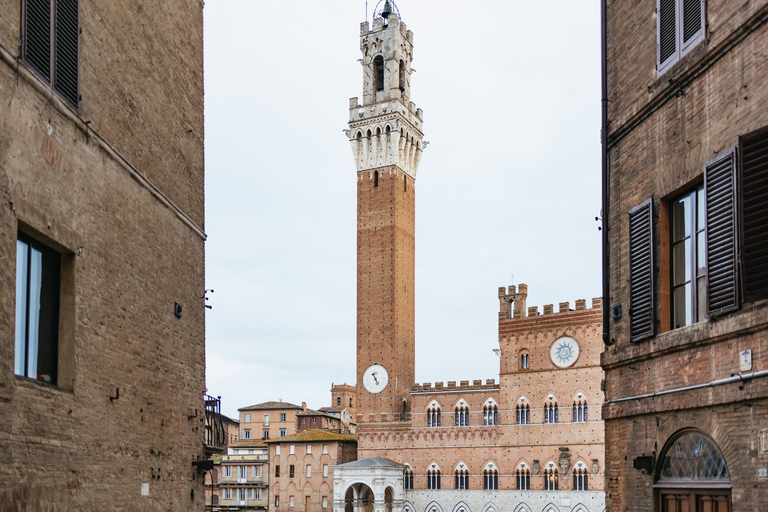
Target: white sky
{"type": "Point", "coordinates": [509, 185]}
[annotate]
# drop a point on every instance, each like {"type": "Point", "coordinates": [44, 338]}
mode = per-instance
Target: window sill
{"type": "Point", "coordinates": [26, 381]}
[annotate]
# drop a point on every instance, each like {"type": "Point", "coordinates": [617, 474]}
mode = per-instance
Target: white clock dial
{"type": "Point", "coordinates": [564, 352]}
{"type": "Point", "coordinates": [375, 378]}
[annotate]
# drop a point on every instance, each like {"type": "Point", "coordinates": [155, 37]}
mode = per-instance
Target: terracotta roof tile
{"type": "Point", "coordinates": [311, 435]}
{"type": "Point", "coordinates": [270, 406]}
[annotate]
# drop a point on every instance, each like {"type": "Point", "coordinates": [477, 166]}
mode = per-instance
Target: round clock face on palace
{"type": "Point", "coordinates": [375, 378]}
{"type": "Point", "coordinates": [564, 352]}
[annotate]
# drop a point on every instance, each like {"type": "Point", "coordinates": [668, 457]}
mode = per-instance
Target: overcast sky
{"type": "Point", "coordinates": [509, 185]}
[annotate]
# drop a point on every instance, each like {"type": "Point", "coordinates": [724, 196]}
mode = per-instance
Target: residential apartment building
{"type": "Point", "coordinates": [269, 420]}
{"type": "Point", "coordinates": [231, 434]}
{"type": "Point", "coordinates": [310, 419]}
{"type": "Point", "coordinates": [102, 349]}
{"type": "Point", "coordinates": [243, 477]}
{"type": "Point", "coordinates": [302, 479]}
{"type": "Point", "coordinates": [685, 212]}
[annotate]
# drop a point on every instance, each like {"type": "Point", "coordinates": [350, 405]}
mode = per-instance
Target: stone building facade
{"type": "Point", "coordinates": [102, 349]}
{"type": "Point", "coordinates": [269, 420]}
{"type": "Point", "coordinates": [300, 464]}
{"type": "Point", "coordinates": [685, 209]}
{"type": "Point", "coordinates": [531, 442]}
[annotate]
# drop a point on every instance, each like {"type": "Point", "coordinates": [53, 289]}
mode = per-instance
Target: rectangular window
{"type": "Point", "coordinates": [242, 496]}
{"type": "Point", "coordinates": [277, 501]}
{"type": "Point", "coordinates": [38, 277]}
{"type": "Point", "coordinates": [265, 434]}
{"type": "Point", "coordinates": [266, 420]}
{"type": "Point", "coordinates": [226, 494]}
{"type": "Point", "coordinates": [226, 471]}
{"type": "Point", "coordinates": [325, 470]}
{"type": "Point", "coordinates": [247, 433]}
{"type": "Point", "coordinates": [325, 449]}
{"type": "Point", "coordinates": [277, 450]}
{"type": "Point", "coordinates": [50, 41]}
{"type": "Point", "coordinates": [247, 417]}
{"type": "Point", "coordinates": [291, 471]}
{"type": "Point", "coordinates": [688, 271]}
{"type": "Point", "coordinates": [309, 448]}
{"type": "Point", "coordinates": [325, 501]}
{"type": "Point", "coordinates": [257, 471]}
{"type": "Point", "coordinates": [282, 416]}
{"type": "Point", "coordinates": [282, 433]}
{"type": "Point", "coordinates": [256, 494]}
{"type": "Point", "coordinates": [277, 471]}
{"type": "Point", "coordinates": [309, 470]}
{"type": "Point", "coordinates": [681, 25]}
{"type": "Point", "coordinates": [292, 449]}
{"type": "Point", "coordinates": [290, 501]}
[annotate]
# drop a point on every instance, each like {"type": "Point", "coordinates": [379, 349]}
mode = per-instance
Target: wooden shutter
{"type": "Point", "coordinates": [37, 36]}
{"type": "Point", "coordinates": [722, 256]}
{"type": "Point", "coordinates": [753, 148]}
{"type": "Point", "coordinates": [641, 314]}
{"type": "Point", "coordinates": [66, 53]}
{"type": "Point", "coordinates": [667, 30]}
{"type": "Point", "coordinates": [693, 18]}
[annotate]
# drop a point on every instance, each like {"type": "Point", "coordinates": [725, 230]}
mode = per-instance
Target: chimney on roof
{"type": "Point", "coordinates": [304, 406]}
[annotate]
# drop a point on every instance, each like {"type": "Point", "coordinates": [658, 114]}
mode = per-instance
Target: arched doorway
{"type": "Point", "coordinates": [359, 498]}
{"type": "Point", "coordinates": [691, 474]}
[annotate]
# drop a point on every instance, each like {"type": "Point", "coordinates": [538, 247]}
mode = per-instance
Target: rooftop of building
{"type": "Point", "coordinates": [248, 443]}
{"type": "Point", "coordinates": [312, 412]}
{"type": "Point", "coordinates": [270, 406]}
{"type": "Point", "coordinates": [312, 435]}
{"type": "Point", "coordinates": [372, 462]}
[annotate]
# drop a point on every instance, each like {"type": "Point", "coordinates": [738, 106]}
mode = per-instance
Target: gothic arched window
{"type": "Point", "coordinates": [490, 415]}
{"type": "Point", "coordinates": [433, 479]}
{"type": "Point", "coordinates": [580, 412]}
{"type": "Point", "coordinates": [433, 417]}
{"type": "Point", "coordinates": [378, 73]}
{"type": "Point", "coordinates": [523, 480]}
{"type": "Point", "coordinates": [550, 480]}
{"type": "Point", "coordinates": [580, 480]}
{"type": "Point", "coordinates": [462, 479]}
{"type": "Point", "coordinates": [408, 479]}
{"type": "Point", "coordinates": [490, 479]}
{"type": "Point", "coordinates": [461, 417]}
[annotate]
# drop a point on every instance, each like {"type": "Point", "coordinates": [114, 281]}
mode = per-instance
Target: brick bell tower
{"type": "Point", "coordinates": [387, 143]}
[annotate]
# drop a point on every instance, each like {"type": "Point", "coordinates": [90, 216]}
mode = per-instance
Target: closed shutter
{"type": "Point", "coordinates": [722, 257]}
{"type": "Point", "coordinates": [754, 214]}
{"type": "Point", "coordinates": [693, 19]}
{"type": "Point", "coordinates": [667, 30]}
{"type": "Point", "coordinates": [66, 39]}
{"type": "Point", "coordinates": [642, 323]}
{"type": "Point", "coordinates": [37, 36]}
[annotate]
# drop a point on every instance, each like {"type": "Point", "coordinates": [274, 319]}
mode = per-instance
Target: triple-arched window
{"type": "Point", "coordinates": [523, 480]}
{"type": "Point", "coordinates": [580, 412]}
{"type": "Point", "coordinates": [490, 479]}
{"type": "Point", "coordinates": [462, 416]}
{"type": "Point", "coordinates": [408, 478]}
{"type": "Point", "coordinates": [551, 413]}
{"type": "Point", "coordinates": [523, 414]}
{"type": "Point", "coordinates": [490, 415]}
{"type": "Point", "coordinates": [462, 479]}
{"type": "Point", "coordinates": [433, 479]}
{"type": "Point", "coordinates": [433, 417]}
{"type": "Point", "coordinates": [580, 480]}
{"type": "Point", "coordinates": [551, 480]}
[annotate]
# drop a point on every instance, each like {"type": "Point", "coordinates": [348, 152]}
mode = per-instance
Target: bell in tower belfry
{"type": "Point", "coordinates": [387, 143]}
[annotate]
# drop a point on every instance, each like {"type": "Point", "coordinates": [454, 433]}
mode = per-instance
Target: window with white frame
{"type": "Point", "coordinates": [277, 450]}
{"type": "Point", "coordinates": [291, 501]}
{"type": "Point", "coordinates": [309, 448]}
{"type": "Point", "coordinates": [265, 434]}
{"type": "Point", "coordinates": [247, 433]}
{"type": "Point", "coordinates": [282, 416]}
{"type": "Point", "coordinates": [266, 420]}
{"type": "Point", "coordinates": [309, 470]}
{"type": "Point", "coordinates": [256, 471]}
{"type": "Point", "coordinates": [247, 417]}
{"type": "Point", "coordinates": [256, 494]}
{"type": "Point", "coordinates": [242, 496]}
{"type": "Point", "coordinates": [681, 25]}
{"type": "Point", "coordinates": [226, 494]}
{"type": "Point", "coordinates": [325, 449]}
{"type": "Point", "coordinates": [282, 432]}
{"type": "Point", "coordinates": [325, 501]}
{"type": "Point", "coordinates": [292, 449]}
{"type": "Point", "coordinates": [325, 470]}
{"type": "Point", "coordinates": [226, 471]}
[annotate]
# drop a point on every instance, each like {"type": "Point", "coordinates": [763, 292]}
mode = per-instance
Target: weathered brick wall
{"type": "Point", "coordinates": [129, 258]}
{"type": "Point", "coordinates": [661, 136]}
{"type": "Point", "coordinates": [385, 288]}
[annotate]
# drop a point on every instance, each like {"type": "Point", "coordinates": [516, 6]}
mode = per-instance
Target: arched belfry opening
{"type": "Point", "coordinates": [378, 73]}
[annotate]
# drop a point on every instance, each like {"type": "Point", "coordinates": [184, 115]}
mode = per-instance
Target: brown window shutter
{"type": "Point", "coordinates": [66, 54]}
{"type": "Point", "coordinates": [37, 36]}
{"type": "Point", "coordinates": [641, 314]}
{"type": "Point", "coordinates": [753, 148]}
{"type": "Point", "coordinates": [667, 30]}
{"type": "Point", "coordinates": [721, 233]}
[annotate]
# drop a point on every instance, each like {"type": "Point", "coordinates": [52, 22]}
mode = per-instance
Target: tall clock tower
{"type": "Point", "coordinates": [387, 143]}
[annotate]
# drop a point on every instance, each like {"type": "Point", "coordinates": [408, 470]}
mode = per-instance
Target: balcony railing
{"type": "Point", "coordinates": [214, 427]}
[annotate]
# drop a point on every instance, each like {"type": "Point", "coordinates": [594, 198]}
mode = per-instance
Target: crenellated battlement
{"type": "Point", "coordinates": [464, 385]}
{"type": "Point", "coordinates": [512, 304]}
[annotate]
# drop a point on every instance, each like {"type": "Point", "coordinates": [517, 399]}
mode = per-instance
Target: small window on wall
{"type": "Point", "coordinates": [325, 449]}
{"type": "Point", "coordinates": [38, 278]}
{"type": "Point", "coordinates": [524, 361]}
{"type": "Point", "coordinates": [681, 25]}
{"type": "Point", "coordinates": [689, 268]}
{"type": "Point", "coordinates": [282, 416]}
{"type": "Point", "coordinates": [350, 402]}
{"type": "Point", "coordinates": [291, 471]}
{"type": "Point", "coordinates": [277, 471]}
{"type": "Point", "coordinates": [247, 418]}
{"type": "Point", "coordinates": [338, 401]}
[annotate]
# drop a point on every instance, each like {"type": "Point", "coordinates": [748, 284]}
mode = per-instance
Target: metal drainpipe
{"type": "Point", "coordinates": [720, 382]}
{"type": "Point", "coordinates": [605, 214]}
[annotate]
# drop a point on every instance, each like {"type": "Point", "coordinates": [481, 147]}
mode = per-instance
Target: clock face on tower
{"type": "Point", "coordinates": [375, 378]}
{"type": "Point", "coordinates": [564, 352]}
